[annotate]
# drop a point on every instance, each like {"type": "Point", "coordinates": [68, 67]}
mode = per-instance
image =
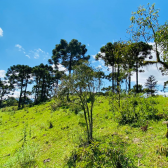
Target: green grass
{"type": "Point", "coordinates": [26, 139]}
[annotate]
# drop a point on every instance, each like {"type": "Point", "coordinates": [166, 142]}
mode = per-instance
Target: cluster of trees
{"type": "Point", "coordinates": [124, 57]}
{"type": "Point", "coordinates": [43, 79]}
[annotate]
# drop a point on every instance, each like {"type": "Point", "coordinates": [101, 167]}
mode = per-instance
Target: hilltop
{"type": "Point", "coordinates": [47, 135]}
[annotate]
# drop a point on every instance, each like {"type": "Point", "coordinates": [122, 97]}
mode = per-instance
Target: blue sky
{"type": "Point", "coordinates": [29, 30]}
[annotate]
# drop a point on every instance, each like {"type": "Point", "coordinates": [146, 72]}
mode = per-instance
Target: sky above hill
{"type": "Point", "coordinates": [29, 30]}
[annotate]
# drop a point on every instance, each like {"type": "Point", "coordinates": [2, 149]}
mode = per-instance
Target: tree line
{"type": "Point", "coordinates": [123, 57]}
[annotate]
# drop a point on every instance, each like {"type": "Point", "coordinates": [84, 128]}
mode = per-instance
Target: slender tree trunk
{"type": "Point", "coordinates": [25, 94]}
{"type": "Point", "coordinates": [113, 78]}
{"type": "Point", "coordinates": [91, 126]}
{"type": "Point", "coordinates": [36, 91]}
{"type": "Point", "coordinates": [118, 74]}
{"type": "Point", "coordinates": [20, 98]}
{"type": "Point", "coordinates": [126, 85]}
{"type": "Point", "coordinates": [129, 80]}
{"type": "Point", "coordinates": [42, 89]}
{"type": "Point", "coordinates": [70, 68]}
{"type": "Point", "coordinates": [136, 77]}
{"type": "Point", "coordinates": [1, 100]}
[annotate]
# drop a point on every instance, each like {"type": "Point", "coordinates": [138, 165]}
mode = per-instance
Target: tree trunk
{"type": "Point", "coordinates": [129, 79]}
{"type": "Point", "coordinates": [24, 94]}
{"type": "Point", "coordinates": [112, 78]}
{"type": "Point", "coordinates": [20, 98]}
{"type": "Point", "coordinates": [136, 77]}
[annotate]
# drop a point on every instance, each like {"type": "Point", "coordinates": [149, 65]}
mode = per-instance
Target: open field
{"type": "Point", "coordinates": [47, 136]}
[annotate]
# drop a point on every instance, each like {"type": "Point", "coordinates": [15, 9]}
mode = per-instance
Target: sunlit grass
{"type": "Point", "coordinates": [68, 132]}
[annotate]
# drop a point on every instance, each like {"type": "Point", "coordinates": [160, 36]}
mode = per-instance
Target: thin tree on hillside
{"type": "Point", "coordinates": [84, 83]}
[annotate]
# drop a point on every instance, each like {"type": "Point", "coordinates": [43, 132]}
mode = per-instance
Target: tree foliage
{"type": "Point", "coordinates": [151, 85]}
{"type": "Point", "coordinates": [68, 54]}
{"type": "Point", "coordinates": [84, 83]}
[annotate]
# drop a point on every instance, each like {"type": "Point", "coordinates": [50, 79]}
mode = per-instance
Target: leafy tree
{"type": "Point", "coordinates": [128, 64]}
{"type": "Point", "coordinates": [20, 76]}
{"type": "Point", "coordinates": [111, 53]}
{"type": "Point", "coordinates": [151, 85]}
{"type": "Point", "coordinates": [138, 52]}
{"type": "Point", "coordinates": [68, 54]}
{"type": "Point", "coordinates": [144, 23]}
{"type": "Point", "coordinates": [5, 89]}
{"type": "Point", "coordinates": [44, 78]}
{"type": "Point", "coordinates": [84, 83]}
{"type": "Point", "coordinates": [11, 101]}
{"type": "Point", "coordinates": [145, 27]}
{"type": "Point", "coordinates": [140, 88]}
{"type": "Point", "coordinates": [162, 40]}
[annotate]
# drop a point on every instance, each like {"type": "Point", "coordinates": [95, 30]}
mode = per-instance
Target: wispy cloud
{"type": "Point", "coordinates": [28, 56]}
{"type": "Point", "coordinates": [2, 73]}
{"type": "Point", "coordinates": [36, 53]}
{"type": "Point", "coordinates": [1, 32]}
{"type": "Point", "coordinates": [20, 47]}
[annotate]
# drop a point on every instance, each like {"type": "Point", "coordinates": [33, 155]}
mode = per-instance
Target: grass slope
{"type": "Point", "coordinates": [41, 137]}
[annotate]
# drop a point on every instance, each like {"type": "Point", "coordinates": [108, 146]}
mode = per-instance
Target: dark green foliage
{"type": "Point", "coordinates": [20, 76]}
{"type": "Point", "coordinates": [50, 125]}
{"type": "Point", "coordinates": [162, 150]}
{"type": "Point", "coordinates": [11, 101]}
{"type": "Point", "coordinates": [151, 85]}
{"type": "Point", "coordinates": [99, 155]}
{"type": "Point", "coordinates": [138, 52]}
{"type": "Point", "coordinates": [5, 89]}
{"type": "Point", "coordinates": [140, 89]}
{"type": "Point", "coordinates": [135, 110]}
{"type": "Point", "coordinates": [68, 55]}
{"type": "Point", "coordinates": [76, 108]}
{"type": "Point", "coordinates": [44, 82]}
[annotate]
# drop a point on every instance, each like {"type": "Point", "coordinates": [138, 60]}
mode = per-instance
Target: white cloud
{"type": "Point", "coordinates": [15, 94]}
{"type": "Point", "coordinates": [60, 67]}
{"type": "Point", "coordinates": [162, 93]}
{"type": "Point", "coordinates": [2, 73]}
{"type": "Point", "coordinates": [93, 56]}
{"type": "Point", "coordinates": [19, 47]}
{"type": "Point", "coordinates": [1, 32]}
{"type": "Point", "coordinates": [28, 56]}
{"type": "Point", "coordinates": [37, 53]}
{"type": "Point", "coordinates": [88, 45]}
{"type": "Point", "coordinates": [151, 70]}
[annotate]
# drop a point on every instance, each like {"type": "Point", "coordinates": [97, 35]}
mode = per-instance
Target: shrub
{"type": "Point", "coordinates": [135, 110]}
{"type": "Point", "coordinates": [99, 155]}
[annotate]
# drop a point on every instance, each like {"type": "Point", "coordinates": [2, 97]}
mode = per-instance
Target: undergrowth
{"type": "Point", "coordinates": [100, 154]}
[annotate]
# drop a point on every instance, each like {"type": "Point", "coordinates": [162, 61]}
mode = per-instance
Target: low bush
{"type": "Point", "coordinates": [99, 155]}
{"type": "Point", "coordinates": [135, 110]}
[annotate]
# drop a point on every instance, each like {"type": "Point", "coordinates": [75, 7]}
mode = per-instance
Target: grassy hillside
{"type": "Point", "coordinates": [47, 136]}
